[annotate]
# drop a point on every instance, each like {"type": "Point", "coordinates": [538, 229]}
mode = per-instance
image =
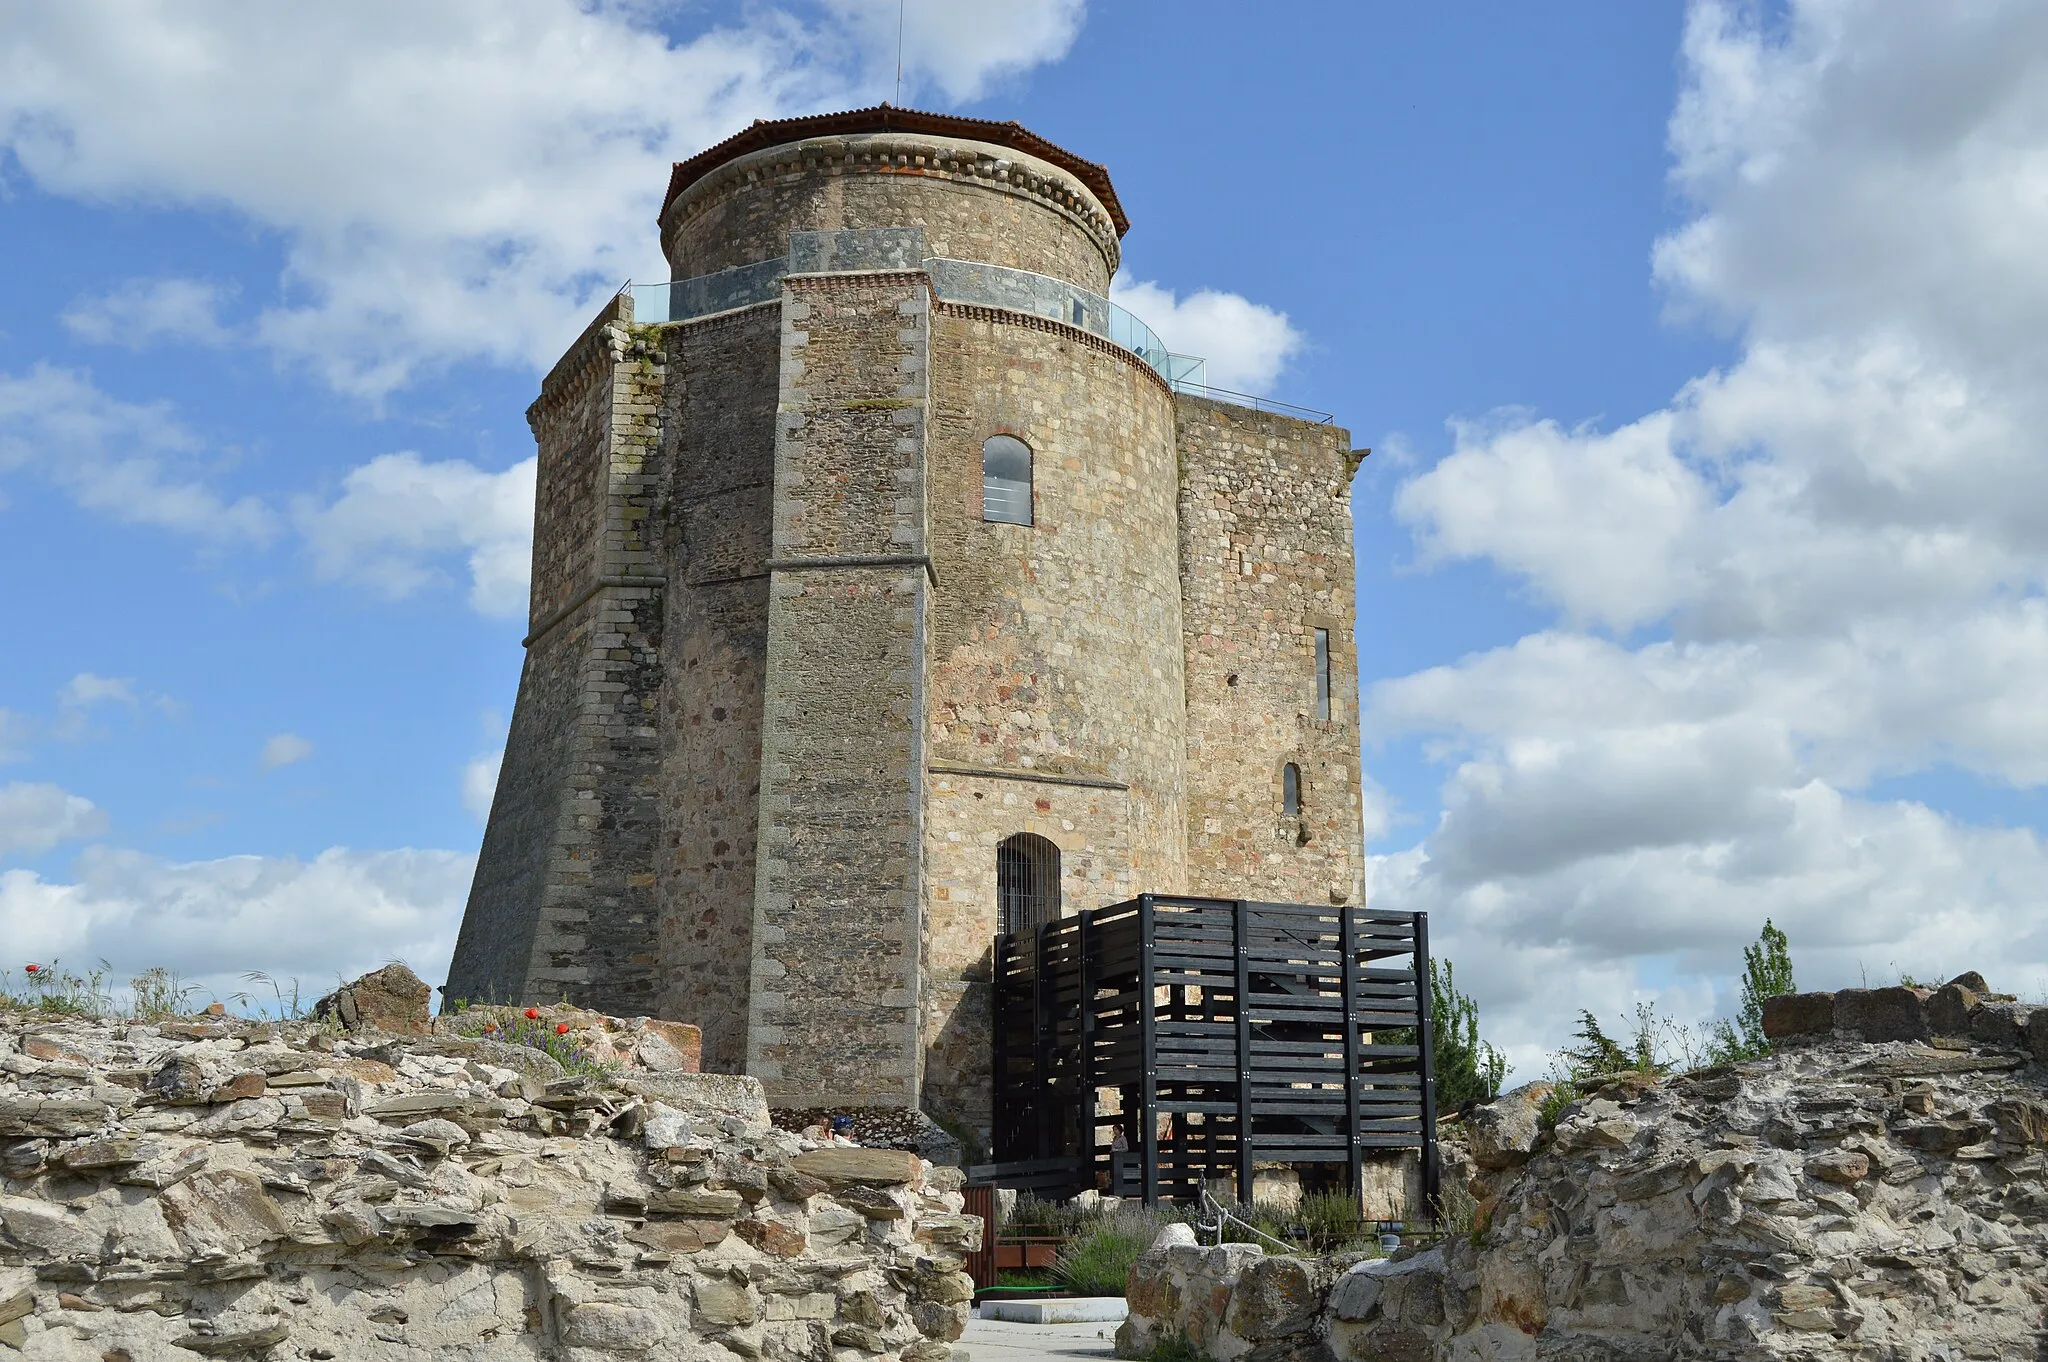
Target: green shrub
{"type": "Point", "coordinates": [1766, 973]}
{"type": "Point", "coordinates": [535, 1033]}
{"type": "Point", "coordinates": [1030, 1215]}
{"type": "Point", "coordinates": [1097, 1261]}
{"type": "Point", "coordinates": [1328, 1221]}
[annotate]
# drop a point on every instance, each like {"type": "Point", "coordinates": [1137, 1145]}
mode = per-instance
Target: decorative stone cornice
{"type": "Point", "coordinates": [979, 164]}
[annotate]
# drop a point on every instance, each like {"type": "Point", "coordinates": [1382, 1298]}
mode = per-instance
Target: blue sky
{"type": "Point", "coordinates": [1700, 555]}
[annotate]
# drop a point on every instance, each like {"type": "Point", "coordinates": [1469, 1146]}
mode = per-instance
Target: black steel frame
{"type": "Point", "coordinates": [1250, 1027]}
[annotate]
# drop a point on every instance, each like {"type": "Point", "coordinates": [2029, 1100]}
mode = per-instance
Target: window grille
{"type": "Point", "coordinates": [1290, 790]}
{"type": "Point", "coordinates": [1006, 480]}
{"type": "Point", "coordinates": [1322, 673]}
{"type": "Point", "coordinates": [1027, 882]}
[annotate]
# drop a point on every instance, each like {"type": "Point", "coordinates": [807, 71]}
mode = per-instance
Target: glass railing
{"type": "Point", "coordinates": [956, 281]}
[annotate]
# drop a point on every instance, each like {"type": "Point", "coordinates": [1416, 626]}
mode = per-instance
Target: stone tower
{"type": "Point", "coordinates": [885, 585]}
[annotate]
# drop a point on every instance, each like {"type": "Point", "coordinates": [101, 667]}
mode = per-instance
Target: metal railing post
{"type": "Point", "coordinates": [1425, 1041]}
{"type": "Point", "coordinates": [1347, 939]}
{"type": "Point", "coordinates": [1148, 1077]}
{"type": "Point", "coordinates": [1241, 935]}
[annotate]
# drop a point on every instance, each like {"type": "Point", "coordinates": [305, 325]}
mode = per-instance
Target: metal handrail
{"type": "Point", "coordinates": [1238, 399]}
{"type": "Point", "coordinates": [1223, 1214]}
{"type": "Point", "coordinates": [1088, 310]}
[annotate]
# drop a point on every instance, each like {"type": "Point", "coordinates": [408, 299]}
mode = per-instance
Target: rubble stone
{"type": "Point", "coordinates": [390, 999]}
{"type": "Point", "coordinates": [1843, 1197]}
{"type": "Point", "coordinates": [1881, 1013]}
{"type": "Point", "coordinates": [281, 1190]}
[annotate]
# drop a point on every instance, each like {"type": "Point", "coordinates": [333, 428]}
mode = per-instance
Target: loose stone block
{"type": "Point", "coordinates": [1799, 1014]}
{"type": "Point", "coordinates": [1881, 1013]}
{"type": "Point", "coordinates": [880, 1167]}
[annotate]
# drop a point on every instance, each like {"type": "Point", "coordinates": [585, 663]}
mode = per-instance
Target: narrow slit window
{"type": "Point", "coordinates": [1322, 673]}
{"type": "Point", "coordinates": [1290, 790]}
{"type": "Point", "coordinates": [1006, 480]}
{"type": "Point", "coordinates": [1027, 883]}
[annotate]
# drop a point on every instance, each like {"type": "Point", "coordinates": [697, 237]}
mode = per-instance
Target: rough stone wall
{"type": "Point", "coordinates": [965, 817]}
{"type": "Point", "coordinates": [563, 899]}
{"type": "Point", "coordinates": [834, 1001]}
{"type": "Point", "coordinates": [1056, 653]}
{"type": "Point", "coordinates": [1874, 1189]}
{"type": "Point", "coordinates": [225, 1189]}
{"type": "Point", "coordinates": [718, 432]}
{"type": "Point", "coordinates": [974, 201]}
{"type": "Point", "coordinates": [1266, 560]}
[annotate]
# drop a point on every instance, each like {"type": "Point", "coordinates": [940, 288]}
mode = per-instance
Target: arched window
{"type": "Point", "coordinates": [1027, 882]}
{"type": "Point", "coordinates": [1290, 790]}
{"type": "Point", "coordinates": [1006, 480]}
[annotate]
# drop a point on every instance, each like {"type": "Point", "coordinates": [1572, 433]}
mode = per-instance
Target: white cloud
{"type": "Point", "coordinates": [337, 915]}
{"type": "Point", "coordinates": [961, 48]}
{"type": "Point", "coordinates": [283, 749]}
{"type": "Point", "coordinates": [140, 312]}
{"type": "Point", "coordinates": [133, 462]}
{"type": "Point", "coordinates": [14, 736]}
{"type": "Point", "coordinates": [36, 817]}
{"type": "Point", "coordinates": [396, 518]}
{"type": "Point", "coordinates": [1822, 565]}
{"type": "Point", "coordinates": [1246, 344]}
{"type": "Point", "coordinates": [456, 181]}
{"type": "Point", "coordinates": [86, 690]}
{"type": "Point", "coordinates": [398, 515]}
{"type": "Point", "coordinates": [480, 784]}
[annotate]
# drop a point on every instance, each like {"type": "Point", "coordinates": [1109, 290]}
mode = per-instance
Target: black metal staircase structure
{"type": "Point", "coordinates": [1231, 1033]}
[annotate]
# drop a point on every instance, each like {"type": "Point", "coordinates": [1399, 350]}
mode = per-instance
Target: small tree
{"type": "Point", "coordinates": [1468, 1069]}
{"type": "Point", "coordinates": [1766, 973]}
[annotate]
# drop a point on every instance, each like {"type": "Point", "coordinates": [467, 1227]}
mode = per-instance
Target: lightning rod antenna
{"type": "Point", "coordinates": [899, 52]}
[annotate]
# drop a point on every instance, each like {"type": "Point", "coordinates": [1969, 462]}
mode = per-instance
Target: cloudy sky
{"type": "Point", "coordinates": [1701, 556]}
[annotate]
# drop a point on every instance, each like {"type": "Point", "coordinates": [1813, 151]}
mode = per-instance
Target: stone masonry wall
{"type": "Point", "coordinates": [974, 201]}
{"type": "Point", "coordinates": [1266, 559]}
{"type": "Point", "coordinates": [218, 1188]}
{"type": "Point", "coordinates": [1873, 1189]}
{"type": "Point", "coordinates": [1056, 656]}
{"type": "Point", "coordinates": [718, 432]}
{"type": "Point", "coordinates": [565, 879]}
{"type": "Point", "coordinates": [834, 1001]}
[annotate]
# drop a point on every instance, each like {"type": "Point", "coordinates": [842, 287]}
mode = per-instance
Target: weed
{"type": "Point", "coordinates": [160, 993]}
{"type": "Point", "coordinates": [57, 992]}
{"type": "Point", "coordinates": [535, 1033]}
{"type": "Point", "coordinates": [287, 1008]}
{"type": "Point", "coordinates": [1175, 1348]}
{"type": "Point", "coordinates": [1098, 1261]}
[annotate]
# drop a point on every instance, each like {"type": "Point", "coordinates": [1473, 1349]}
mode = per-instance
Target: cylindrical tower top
{"type": "Point", "coordinates": [984, 191]}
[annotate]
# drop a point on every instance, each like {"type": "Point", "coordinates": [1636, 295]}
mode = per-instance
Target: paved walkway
{"type": "Point", "coordinates": [989, 1340]}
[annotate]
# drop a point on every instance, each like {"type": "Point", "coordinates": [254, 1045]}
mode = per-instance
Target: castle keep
{"type": "Point", "coordinates": [889, 590]}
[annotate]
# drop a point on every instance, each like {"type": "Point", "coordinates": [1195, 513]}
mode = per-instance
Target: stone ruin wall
{"type": "Point", "coordinates": [1877, 1188]}
{"type": "Point", "coordinates": [975, 202]}
{"type": "Point", "coordinates": [1266, 559]}
{"type": "Point", "coordinates": [220, 1188]}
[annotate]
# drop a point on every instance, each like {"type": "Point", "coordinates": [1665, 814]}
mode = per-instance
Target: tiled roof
{"type": "Point", "coordinates": [769, 132]}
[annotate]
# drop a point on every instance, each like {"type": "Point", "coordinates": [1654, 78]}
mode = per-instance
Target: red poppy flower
{"type": "Point", "coordinates": [561, 1028]}
{"type": "Point", "coordinates": [533, 1014]}
{"type": "Point", "coordinates": [35, 969]}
